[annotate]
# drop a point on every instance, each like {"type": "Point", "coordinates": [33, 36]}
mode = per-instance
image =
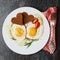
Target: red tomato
{"type": "Point", "coordinates": [34, 21]}
{"type": "Point", "coordinates": [37, 24]}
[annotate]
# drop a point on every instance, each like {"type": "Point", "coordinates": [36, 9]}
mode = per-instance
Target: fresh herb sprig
{"type": "Point", "coordinates": [28, 44]}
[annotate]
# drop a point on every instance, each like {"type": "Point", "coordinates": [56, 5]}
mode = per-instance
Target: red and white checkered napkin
{"type": "Point", "coordinates": [48, 13]}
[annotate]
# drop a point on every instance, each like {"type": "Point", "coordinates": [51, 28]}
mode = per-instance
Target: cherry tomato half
{"type": "Point", "coordinates": [37, 24]}
{"type": "Point", "coordinates": [34, 21]}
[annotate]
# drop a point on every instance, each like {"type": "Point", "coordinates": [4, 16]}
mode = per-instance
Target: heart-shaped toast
{"type": "Point", "coordinates": [27, 18]}
{"type": "Point", "coordinates": [22, 18]}
{"type": "Point", "coordinates": [18, 19]}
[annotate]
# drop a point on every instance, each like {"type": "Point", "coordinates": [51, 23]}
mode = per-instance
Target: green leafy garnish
{"type": "Point", "coordinates": [32, 39]}
{"type": "Point", "coordinates": [28, 44]}
{"type": "Point", "coordinates": [13, 38]}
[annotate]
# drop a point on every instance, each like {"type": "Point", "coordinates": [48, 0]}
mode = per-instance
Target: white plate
{"type": "Point", "coordinates": [36, 46]}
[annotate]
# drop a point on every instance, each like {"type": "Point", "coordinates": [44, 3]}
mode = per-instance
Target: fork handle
{"type": "Point", "coordinates": [52, 33]}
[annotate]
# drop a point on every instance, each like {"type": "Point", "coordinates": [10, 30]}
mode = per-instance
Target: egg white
{"type": "Point", "coordinates": [38, 33]}
{"type": "Point", "coordinates": [13, 31]}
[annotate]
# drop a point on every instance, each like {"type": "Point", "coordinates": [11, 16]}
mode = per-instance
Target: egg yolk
{"type": "Point", "coordinates": [32, 31]}
{"type": "Point", "coordinates": [19, 32]}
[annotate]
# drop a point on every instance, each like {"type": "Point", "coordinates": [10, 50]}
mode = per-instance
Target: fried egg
{"type": "Point", "coordinates": [18, 31]}
{"type": "Point", "coordinates": [32, 32]}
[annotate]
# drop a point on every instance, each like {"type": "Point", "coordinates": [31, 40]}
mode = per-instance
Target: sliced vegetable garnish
{"type": "Point", "coordinates": [28, 44]}
{"type": "Point", "coordinates": [35, 20]}
{"type": "Point", "coordinates": [37, 24]}
{"type": "Point", "coordinates": [39, 17]}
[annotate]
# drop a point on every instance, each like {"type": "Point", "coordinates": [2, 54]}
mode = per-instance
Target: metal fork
{"type": "Point", "coordinates": [52, 25]}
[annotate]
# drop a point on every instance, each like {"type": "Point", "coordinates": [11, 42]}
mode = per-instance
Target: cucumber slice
{"type": "Point", "coordinates": [8, 29]}
{"type": "Point", "coordinates": [21, 42]}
